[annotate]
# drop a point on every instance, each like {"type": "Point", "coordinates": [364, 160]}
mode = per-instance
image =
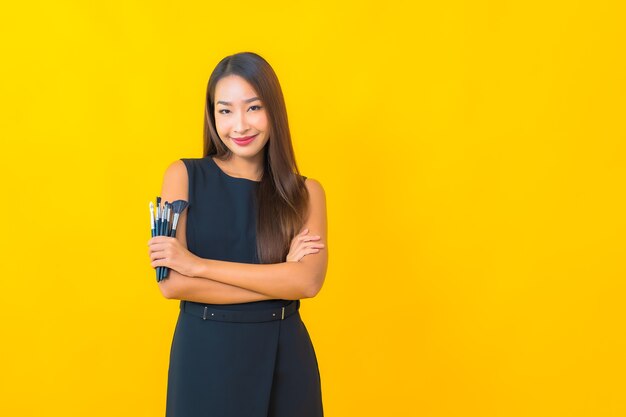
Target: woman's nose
{"type": "Point", "coordinates": [241, 124]}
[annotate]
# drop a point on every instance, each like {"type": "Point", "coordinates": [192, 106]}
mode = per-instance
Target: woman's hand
{"type": "Point", "coordinates": [168, 251]}
{"type": "Point", "coordinates": [302, 245]}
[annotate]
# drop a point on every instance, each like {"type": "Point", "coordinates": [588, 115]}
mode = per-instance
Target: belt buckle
{"type": "Point", "coordinates": [283, 314]}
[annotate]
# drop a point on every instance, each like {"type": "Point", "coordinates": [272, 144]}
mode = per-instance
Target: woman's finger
{"type": "Point", "coordinates": [311, 244]}
{"type": "Point", "coordinates": [300, 245]}
{"type": "Point", "coordinates": [160, 262]}
{"type": "Point", "coordinates": [307, 251]}
{"type": "Point", "coordinates": [162, 240]}
{"type": "Point", "coordinates": [158, 246]}
{"type": "Point", "coordinates": [303, 245]}
{"type": "Point", "coordinates": [157, 255]}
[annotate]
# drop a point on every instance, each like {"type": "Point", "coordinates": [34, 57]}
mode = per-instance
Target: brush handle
{"type": "Point", "coordinates": [164, 270]}
{"type": "Point", "coordinates": [164, 273]}
{"type": "Point", "coordinates": [153, 233]}
{"type": "Point", "coordinates": [162, 232]}
{"type": "Point", "coordinates": [160, 272]}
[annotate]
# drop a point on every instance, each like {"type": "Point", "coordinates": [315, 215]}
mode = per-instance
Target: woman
{"type": "Point", "coordinates": [249, 246]}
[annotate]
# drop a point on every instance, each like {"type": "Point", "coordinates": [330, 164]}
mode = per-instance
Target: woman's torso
{"type": "Point", "coordinates": [221, 219]}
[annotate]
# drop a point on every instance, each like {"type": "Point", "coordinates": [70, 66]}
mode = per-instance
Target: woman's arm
{"type": "Point", "coordinates": [286, 280]}
{"type": "Point", "coordinates": [182, 287]}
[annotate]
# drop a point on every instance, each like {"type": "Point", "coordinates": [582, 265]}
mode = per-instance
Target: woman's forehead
{"type": "Point", "coordinates": [234, 89]}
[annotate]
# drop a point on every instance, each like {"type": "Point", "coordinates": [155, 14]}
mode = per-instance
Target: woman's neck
{"type": "Point", "coordinates": [250, 168]}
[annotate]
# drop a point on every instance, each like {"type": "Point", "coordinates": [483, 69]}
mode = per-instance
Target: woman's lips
{"type": "Point", "coordinates": [245, 140]}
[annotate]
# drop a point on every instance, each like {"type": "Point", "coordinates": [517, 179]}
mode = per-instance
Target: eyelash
{"type": "Point", "coordinates": [220, 111]}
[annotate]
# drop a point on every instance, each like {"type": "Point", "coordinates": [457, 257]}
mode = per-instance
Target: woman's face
{"type": "Point", "coordinates": [240, 114]}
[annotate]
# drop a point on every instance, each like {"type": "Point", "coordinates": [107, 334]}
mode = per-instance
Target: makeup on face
{"type": "Point", "coordinates": [244, 141]}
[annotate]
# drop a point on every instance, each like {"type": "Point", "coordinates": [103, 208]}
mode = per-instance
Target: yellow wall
{"type": "Point", "coordinates": [472, 154]}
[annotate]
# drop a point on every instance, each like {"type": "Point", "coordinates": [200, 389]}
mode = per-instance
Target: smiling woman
{"type": "Point", "coordinates": [250, 245]}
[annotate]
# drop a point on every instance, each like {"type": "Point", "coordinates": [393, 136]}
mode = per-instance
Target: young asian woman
{"type": "Point", "coordinates": [250, 245]}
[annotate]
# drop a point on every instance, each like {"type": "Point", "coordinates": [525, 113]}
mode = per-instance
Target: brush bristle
{"type": "Point", "coordinates": [179, 205]}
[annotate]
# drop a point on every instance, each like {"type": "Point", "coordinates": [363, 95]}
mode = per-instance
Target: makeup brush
{"type": "Point", "coordinates": [152, 230]}
{"type": "Point", "coordinates": [161, 220]}
{"type": "Point", "coordinates": [160, 231]}
{"type": "Point", "coordinates": [163, 232]}
{"type": "Point", "coordinates": [154, 225]}
{"type": "Point", "coordinates": [168, 219]}
{"type": "Point", "coordinates": [158, 218]}
{"type": "Point", "coordinates": [177, 206]}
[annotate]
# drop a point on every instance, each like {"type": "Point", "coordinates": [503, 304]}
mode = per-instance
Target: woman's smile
{"type": "Point", "coordinates": [244, 140]}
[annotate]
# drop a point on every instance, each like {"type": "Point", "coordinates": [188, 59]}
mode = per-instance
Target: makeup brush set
{"type": "Point", "coordinates": [163, 222]}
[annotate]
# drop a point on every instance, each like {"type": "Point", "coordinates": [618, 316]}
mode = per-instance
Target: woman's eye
{"type": "Point", "coordinates": [226, 110]}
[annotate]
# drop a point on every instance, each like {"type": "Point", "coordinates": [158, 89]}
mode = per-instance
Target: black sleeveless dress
{"type": "Point", "coordinates": [230, 369]}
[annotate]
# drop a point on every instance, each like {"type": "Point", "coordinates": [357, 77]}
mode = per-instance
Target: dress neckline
{"type": "Point", "coordinates": [230, 176]}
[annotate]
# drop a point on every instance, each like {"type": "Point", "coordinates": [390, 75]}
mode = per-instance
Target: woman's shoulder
{"type": "Point", "coordinates": [175, 181]}
{"type": "Point", "coordinates": [178, 166]}
{"type": "Point", "coordinates": [177, 169]}
{"type": "Point", "coordinates": [313, 186]}
{"type": "Point", "coordinates": [183, 170]}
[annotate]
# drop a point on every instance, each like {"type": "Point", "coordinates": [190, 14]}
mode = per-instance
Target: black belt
{"type": "Point", "coordinates": [240, 316]}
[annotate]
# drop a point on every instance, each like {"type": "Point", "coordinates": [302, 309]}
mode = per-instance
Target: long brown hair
{"type": "Point", "coordinates": [282, 196]}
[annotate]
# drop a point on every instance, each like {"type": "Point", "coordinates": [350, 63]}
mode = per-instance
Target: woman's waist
{"type": "Point", "coordinates": [253, 305]}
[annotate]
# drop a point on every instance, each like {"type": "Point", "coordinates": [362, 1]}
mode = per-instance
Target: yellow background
{"type": "Point", "coordinates": [472, 154]}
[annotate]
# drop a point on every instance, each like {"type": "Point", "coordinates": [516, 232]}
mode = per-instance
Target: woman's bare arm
{"type": "Point", "coordinates": [182, 287]}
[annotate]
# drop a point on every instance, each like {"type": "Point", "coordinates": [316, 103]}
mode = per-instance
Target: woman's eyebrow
{"type": "Point", "coordinates": [227, 103]}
